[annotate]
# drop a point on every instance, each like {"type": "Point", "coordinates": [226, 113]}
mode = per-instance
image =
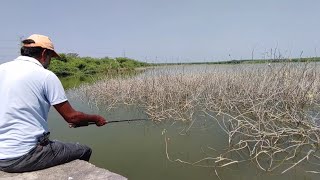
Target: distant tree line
{"type": "Point", "coordinates": [252, 61]}
{"type": "Point", "coordinates": [72, 64]}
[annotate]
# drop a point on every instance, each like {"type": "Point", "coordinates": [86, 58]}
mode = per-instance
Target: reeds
{"type": "Point", "coordinates": [269, 112]}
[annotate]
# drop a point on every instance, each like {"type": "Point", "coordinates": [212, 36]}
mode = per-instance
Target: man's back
{"type": "Point", "coordinates": [24, 105]}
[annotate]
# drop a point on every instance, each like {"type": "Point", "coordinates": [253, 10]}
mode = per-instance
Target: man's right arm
{"type": "Point", "coordinates": [76, 118]}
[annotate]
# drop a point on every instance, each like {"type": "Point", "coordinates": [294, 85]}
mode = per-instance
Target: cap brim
{"type": "Point", "coordinates": [55, 54]}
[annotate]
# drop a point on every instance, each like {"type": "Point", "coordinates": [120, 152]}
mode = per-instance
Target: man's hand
{"type": "Point", "coordinates": [101, 121]}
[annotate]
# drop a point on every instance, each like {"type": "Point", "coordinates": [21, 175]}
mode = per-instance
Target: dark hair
{"type": "Point", "coordinates": [34, 52]}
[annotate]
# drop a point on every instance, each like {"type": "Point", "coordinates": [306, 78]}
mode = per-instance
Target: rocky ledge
{"type": "Point", "coordinates": [75, 170]}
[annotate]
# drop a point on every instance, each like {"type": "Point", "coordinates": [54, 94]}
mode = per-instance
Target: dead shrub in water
{"type": "Point", "coordinates": [267, 111]}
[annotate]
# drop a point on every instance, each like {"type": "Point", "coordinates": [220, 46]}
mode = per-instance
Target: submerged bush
{"type": "Point", "coordinates": [267, 111]}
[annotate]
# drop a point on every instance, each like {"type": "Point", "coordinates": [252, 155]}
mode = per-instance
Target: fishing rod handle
{"type": "Point", "coordinates": [81, 124]}
{"type": "Point", "coordinates": [86, 123]}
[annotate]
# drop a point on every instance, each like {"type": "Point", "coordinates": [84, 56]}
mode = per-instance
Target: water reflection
{"type": "Point", "coordinates": [137, 149]}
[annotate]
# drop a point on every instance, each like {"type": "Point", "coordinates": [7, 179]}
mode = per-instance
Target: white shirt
{"type": "Point", "coordinates": [27, 90]}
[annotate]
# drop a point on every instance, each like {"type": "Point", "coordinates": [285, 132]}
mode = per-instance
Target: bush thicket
{"type": "Point", "coordinates": [71, 64]}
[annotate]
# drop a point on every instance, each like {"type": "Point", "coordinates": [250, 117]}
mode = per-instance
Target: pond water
{"type": "Point", "coordinates": [137, 150]}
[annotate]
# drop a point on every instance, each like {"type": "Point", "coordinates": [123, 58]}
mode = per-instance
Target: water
{"type": "Point", "coordinates": [137, 150]}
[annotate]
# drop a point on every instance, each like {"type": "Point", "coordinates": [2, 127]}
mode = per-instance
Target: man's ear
{"type": "Point", "coordinates": [43, 54]}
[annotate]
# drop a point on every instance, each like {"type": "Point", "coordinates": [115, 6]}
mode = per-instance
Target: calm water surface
{"type": "Point", "coordinates": [137, 150]}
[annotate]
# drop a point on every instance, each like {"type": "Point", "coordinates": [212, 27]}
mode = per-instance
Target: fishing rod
{"type": "Point", "coordinates": [115, 121]}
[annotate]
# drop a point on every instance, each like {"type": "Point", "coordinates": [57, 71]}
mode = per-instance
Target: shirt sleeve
{"type": "Point", "coordinates": [54, 90]}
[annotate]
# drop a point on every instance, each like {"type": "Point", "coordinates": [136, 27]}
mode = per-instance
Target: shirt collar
{"type": "Point", "coordinates": [30, 59]}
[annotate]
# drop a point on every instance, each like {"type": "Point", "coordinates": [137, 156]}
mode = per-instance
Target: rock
{"type": "Point", "coordinates": [75, 170]}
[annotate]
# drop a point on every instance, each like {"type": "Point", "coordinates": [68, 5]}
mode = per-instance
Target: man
{"type": "Point", "coordinates": [27, 90]}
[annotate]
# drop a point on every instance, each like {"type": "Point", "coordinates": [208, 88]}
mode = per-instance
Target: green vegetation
{"type": "Point", "coordinates": [72, 65]}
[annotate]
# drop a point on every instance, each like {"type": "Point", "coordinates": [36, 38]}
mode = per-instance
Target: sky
{"type": "Point", "coordinates": [165, 30]}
